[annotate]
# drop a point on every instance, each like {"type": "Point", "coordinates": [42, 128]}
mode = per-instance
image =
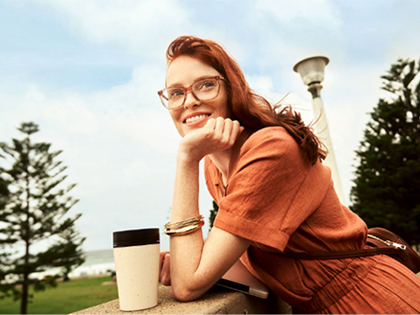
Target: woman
{"type": "Point", "coordinates": [263, 168]}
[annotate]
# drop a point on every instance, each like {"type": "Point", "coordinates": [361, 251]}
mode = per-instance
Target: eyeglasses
{"type": "Point", "coordinates": [204, 90]}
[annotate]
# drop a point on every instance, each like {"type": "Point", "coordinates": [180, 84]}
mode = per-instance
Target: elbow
{"type": "Point", "coordinates": [185, 294]}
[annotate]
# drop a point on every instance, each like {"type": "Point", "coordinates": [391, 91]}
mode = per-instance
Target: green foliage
{"type": "Point", "coordinates": [213, 213]}
{"type": "Point", "coordinates": [34, 210]}
{"type": "Point", "coordinates": [4, 196]}
{"type": "Point", "coordinates": [4, 193]}
{"type": "Point", "coordinates": [387, 184]}
{"type": "Point", "coordinates": [67, 298]}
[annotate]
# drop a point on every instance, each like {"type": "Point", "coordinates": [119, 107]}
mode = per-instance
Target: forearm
{"type": "Point", "coordinates": [195, 267]}
{"type": "Point", "coordinates": [186, 250]}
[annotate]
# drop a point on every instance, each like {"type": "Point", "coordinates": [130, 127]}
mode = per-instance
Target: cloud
{"type": "Point", "coordinates": [293, 30]}
{"type": "Point", "coordinates": [131, 24]}
{"type": "Point", "coordinates": [119, 145]}
{"type": "Point", "coordinates": [313, 12]}
{"type": "Point", "coordinates": [72, 115]}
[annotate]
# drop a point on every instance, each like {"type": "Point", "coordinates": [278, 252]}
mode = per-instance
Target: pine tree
{"type": "Point", "coordinates": [5, 289]}
{"type": "Point", "coordinates": [35, 212]}
{"type": "Point", "coordinates": [213, 214]}
{"type": "Point", "coordinates": [387, 184]}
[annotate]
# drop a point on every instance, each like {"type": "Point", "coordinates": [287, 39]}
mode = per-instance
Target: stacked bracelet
{"type": "Point", "coordinates": [184, 227]}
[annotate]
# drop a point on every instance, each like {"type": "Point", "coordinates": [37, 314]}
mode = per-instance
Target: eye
{"type": "Point", "coordinates": [175, 92]}
{"type": "Point", "coordinates": [206, 84]}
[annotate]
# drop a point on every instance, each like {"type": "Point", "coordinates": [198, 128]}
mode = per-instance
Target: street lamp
{"type": "Point", "coordinates": [312, 72]}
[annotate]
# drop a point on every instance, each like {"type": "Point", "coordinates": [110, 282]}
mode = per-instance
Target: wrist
{"type": "Point", "coordinates": [187, 157]}
{"type": "Point", "coordinates": [186, 162]}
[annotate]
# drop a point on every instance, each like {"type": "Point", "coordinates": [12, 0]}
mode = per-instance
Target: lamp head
{"type": "Point", "coordinates": [311, 69]}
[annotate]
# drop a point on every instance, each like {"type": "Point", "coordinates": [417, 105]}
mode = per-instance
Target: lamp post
{"type": "Point", "coordinates": [312, 72]}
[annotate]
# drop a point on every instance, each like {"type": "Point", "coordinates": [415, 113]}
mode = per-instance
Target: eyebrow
{"type": "Point", "coordinates": [196, 80]}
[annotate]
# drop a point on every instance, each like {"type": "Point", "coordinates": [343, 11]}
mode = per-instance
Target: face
{"type": "Point", "coordinates": [184, 71]}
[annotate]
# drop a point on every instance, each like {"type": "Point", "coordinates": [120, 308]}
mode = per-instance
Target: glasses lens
{"type": "Point", "coordinates": [206, 89]}
{"type": "Point", "coordinates": [173, 97]}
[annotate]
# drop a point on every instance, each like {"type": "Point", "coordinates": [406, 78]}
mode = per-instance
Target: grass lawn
{"type": "Point", "coordinates": [67, 297]}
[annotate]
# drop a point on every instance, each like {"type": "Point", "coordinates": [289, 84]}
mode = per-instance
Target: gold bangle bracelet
{"type": "Point", "coordinates": [183, 223]}
{"type": "Point", "coordinates": [184, 230]}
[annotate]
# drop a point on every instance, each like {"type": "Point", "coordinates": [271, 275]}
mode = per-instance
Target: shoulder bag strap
{"type": "Point", "coordinates": [341, 254]}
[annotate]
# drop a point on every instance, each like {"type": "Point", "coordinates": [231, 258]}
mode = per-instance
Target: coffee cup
{"type": "Point", "coordinates": [136, 256]}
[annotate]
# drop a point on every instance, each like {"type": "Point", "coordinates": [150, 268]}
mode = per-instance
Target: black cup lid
{"type": "Point", "coordinates": [136, 237]}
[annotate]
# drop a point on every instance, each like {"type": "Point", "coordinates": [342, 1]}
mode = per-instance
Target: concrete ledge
{"type": "Point", "coordinates": [217, 301]}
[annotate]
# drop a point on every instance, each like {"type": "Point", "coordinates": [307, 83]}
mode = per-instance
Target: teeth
{"type": "Point", "coordinates": [195, 118]}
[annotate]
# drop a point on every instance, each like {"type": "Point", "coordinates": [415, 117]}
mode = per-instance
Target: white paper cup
{"type": "Point", "coordinates": [136, 256]}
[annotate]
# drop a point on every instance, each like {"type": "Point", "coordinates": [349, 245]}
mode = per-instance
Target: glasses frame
{"type": "Point", "coordinates": [186, 89]}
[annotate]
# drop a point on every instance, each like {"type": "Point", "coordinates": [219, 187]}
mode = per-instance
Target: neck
{"type": "Point", "coordinates": [225, 161]}
{"type": "Point", "coordinates": [222, 161]}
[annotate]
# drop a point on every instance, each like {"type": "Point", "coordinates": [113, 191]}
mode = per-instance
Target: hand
{"type": "Point", "coordinates": [217, 135]}
{"type": "Point", "coordinates": [164, 268]}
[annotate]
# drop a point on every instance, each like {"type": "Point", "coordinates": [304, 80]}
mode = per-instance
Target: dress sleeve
{"type": "Point", "coordinates": [271, 191]}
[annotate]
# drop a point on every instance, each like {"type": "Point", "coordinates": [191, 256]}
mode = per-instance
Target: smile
{"type": "Point", "coordinates": [196, 118]}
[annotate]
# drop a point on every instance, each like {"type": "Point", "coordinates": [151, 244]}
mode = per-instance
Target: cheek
{"type": "Point", "coordinates": [175, 115]}
{"type": "Point", "coordinates": [224, 104]}
{"type": "Point", "coordinates": [225, 108]}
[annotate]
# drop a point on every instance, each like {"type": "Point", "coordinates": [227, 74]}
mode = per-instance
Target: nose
{"type": "Point", "coordinates": [191, 100]}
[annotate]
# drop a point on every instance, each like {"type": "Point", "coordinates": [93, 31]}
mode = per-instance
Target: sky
{"type": "Point", "coordinates": [88, 71]}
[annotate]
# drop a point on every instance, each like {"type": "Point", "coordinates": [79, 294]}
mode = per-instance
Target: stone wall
{"type": "Point", "coordinates": [217, 301]}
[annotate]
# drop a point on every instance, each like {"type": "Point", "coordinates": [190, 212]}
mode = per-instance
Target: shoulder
{"type": "Point", "coordinates": [274, 132]}
{"type": "Point", "coordinates": [268, 136]}
{"type": "Point", "coordinates": [271, 142]}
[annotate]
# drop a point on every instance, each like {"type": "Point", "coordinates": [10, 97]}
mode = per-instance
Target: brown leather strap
{"type": "Point", "coordinates": [341, 254]}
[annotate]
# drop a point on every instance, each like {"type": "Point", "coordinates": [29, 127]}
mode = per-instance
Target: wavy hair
{"type": "Point", "coordinates": [252, 110]}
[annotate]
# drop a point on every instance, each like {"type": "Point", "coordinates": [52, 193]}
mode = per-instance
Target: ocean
{"type": "Point", "coordinates": [98, 262]}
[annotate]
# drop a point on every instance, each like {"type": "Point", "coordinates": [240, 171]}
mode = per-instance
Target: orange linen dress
{"type": "Point", "coordinates": [283, 204]}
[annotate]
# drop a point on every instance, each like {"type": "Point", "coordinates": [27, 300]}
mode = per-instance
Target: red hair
{"type": "Point", "coordinates": [250, 109]}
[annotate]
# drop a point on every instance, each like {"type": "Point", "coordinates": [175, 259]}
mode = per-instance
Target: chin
{"type": "Point", "coordinates": [183, 131]}
{"type": "Point", "coordinates": [186, 132]}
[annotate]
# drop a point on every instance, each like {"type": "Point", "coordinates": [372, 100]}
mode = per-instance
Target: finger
{"type": "Point", "coordinates": [210, 124]}
{"type": "Point", "coordinates": [227, 131]}
{"type": "Point", "coordinates": [165, 275]}
{"type": "Point", "coordinates": [162, 258]}
{"type": "Point", "coordinates": [233, 132]}
{"type": "Point", "coordinates": [236, 130]}
{"type": "Point", "coordinates": [220, 126]}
